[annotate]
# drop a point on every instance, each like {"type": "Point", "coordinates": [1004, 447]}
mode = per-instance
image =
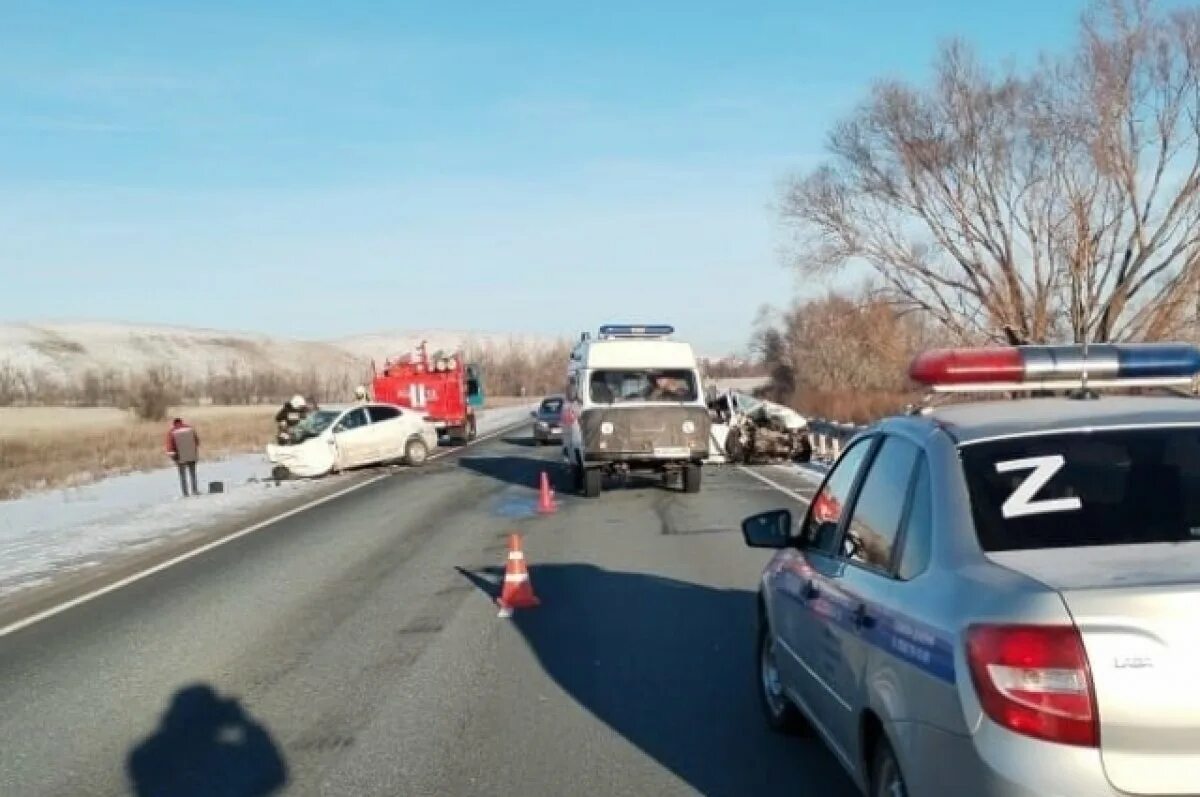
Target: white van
{"type": "Point", "coordinates": [634, 403]}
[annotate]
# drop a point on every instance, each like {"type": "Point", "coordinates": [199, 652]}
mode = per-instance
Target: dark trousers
{"type": "Point", "coordinates": [187, 469]}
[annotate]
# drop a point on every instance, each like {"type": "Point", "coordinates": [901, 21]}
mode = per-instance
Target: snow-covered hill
{"type": "Point", "coordinates": [63, 351]}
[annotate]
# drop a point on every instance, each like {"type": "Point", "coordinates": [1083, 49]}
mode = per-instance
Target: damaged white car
{"type": "Point", "coordinates": [341, 437]}
{"type": "Point", "coordinates": [749, 429]}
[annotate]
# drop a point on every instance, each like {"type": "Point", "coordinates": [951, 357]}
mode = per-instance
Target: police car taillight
{"type": "Point", "coordinates": [1101, 365]}
{"type": "Point", "coordinates": [1034, 680]}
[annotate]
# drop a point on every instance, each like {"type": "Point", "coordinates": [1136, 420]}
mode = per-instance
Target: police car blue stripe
{"type": "Point", "coordinates": [913, 643]}
{"type": "Point", "coordinates": [893, 633]}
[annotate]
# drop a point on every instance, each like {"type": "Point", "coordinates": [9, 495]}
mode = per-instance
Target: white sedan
{"type": "Point", "coordinates": [335, 438]}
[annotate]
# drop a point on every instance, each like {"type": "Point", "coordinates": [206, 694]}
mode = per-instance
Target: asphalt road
{"type": "Point", "coordinates": [354, 649]}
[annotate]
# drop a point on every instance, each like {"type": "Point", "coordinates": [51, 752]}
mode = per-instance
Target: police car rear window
{"type": "Point", "coordinates": [1116, 487]}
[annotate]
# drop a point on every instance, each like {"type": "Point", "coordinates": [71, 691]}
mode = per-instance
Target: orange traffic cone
{"type": "Point", "coordinates": [517, 592]}
{"type": "Point", "coordinates": [546, 503]}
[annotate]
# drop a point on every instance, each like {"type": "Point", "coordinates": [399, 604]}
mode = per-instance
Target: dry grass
{"type": "Point", "coordinates": [19, 422]}
{"type": "Point", "coordinates": [851, 406]}
{"type": "Point", "coordinates": [43, 447]}
{"type": "Point", "coordinates": [87, 445]}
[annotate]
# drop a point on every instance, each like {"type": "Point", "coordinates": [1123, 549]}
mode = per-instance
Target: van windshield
{"type": "Point", "coordinates": [612, 386]}
{"type": "Point", "coordinates": [1117, 487]}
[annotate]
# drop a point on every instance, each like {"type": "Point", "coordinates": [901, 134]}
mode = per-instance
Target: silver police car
{"type": "Point", "coordinates": [1001, 597]}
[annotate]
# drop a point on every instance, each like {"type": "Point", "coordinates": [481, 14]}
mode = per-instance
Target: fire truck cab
{"type": "Point", "coordinates": [443, 387]}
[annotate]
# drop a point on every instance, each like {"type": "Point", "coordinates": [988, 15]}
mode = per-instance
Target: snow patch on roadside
{"type": "Point", "coordinates": [48, 533]}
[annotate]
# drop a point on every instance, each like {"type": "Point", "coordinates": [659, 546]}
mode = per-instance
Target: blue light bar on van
{"type": "Point", "coordinates": [1106, 365]}
{"type": "Point", "coordinates": [636, 331]}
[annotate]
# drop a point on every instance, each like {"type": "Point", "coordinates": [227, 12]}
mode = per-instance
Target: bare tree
{"type": "Point", "coordinates": [1058, 204]}
{"type": "Point", "coordinates": [844, 355]}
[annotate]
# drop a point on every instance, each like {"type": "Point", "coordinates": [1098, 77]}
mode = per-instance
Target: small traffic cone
{"type": "Point", "coordinates": [517, 592]}
{"type": "Point", "coordinates": [546, 503]}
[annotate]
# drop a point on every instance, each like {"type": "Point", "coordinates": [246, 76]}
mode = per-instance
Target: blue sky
{"type": "Point", "coordinates": [317, 169]}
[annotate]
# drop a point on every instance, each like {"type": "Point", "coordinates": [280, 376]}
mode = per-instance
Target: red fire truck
{"type": "Point", "coordinates": [443, 387]}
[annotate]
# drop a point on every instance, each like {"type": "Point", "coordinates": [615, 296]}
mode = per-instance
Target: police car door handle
{"type": "Point", "coordinates": [861, 618]}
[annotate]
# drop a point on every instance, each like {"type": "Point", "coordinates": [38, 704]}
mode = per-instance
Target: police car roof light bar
{"type": "Point", "coordinates": [1111, 365]}
{"type": "Point", "coordinates": [636, 330]}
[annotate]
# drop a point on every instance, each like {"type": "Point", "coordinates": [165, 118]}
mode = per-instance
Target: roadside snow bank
{"type": "Point", "coordinates": [47, 533]}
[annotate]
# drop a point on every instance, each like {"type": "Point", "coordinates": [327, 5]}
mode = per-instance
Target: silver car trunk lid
{"type": "Point", "coordinates": [1138, 610]}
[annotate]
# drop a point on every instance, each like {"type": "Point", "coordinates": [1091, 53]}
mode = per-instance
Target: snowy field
{"type": "Point", "coordinates": [65, 350]}
{"type": "Point", "coordinates": [49, 533]}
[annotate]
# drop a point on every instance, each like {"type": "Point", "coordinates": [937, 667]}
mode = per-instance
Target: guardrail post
{"type": "Point", "coordinates": [837, 446]}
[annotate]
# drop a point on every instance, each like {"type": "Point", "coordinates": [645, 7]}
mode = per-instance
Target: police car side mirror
{"type": "Point", "coordinates": [768, 529]}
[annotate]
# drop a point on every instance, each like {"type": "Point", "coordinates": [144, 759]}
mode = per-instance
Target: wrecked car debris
{"type": "Point", "coordinates": [748, 430]}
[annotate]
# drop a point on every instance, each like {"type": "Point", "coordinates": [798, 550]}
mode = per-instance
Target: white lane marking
{"type": "Point", "coordinates": [46, 614]}
{"type": "Point", "coordinates": [772, 483]}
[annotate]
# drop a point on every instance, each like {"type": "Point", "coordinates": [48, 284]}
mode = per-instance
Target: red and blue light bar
{"type": "Point", "coordinates": [1105, 365]}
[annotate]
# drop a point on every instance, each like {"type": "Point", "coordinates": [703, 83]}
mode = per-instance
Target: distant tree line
{"type": "Point", "coordinates": [150, 392]}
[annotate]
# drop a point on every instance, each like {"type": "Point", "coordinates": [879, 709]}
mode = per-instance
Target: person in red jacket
{"type": "Point", "coordinates": [183, 446]}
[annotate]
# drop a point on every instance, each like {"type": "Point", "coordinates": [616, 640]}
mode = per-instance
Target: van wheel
{"type": "Point", "coordinates": [886, 778]}
{"type": "Point", "coordinates": [691, 479]}
{"type": "Point", "coordinates": [593, 478]}
{"type": "Point", "coordinates": [416, 452]}
{"type": "Point", "coordinates": [781, 714]}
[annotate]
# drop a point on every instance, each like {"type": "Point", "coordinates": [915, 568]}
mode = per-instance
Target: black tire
{"type": "Point", "coordinates": [780, 712]}
{"type": "Point", "coordinates": [735, 450]}
{"type": "Point", "coordinates": [416, 453]}
{"type": "Point", "coordinates": [593, 480]}
{"type": "Point", "coordinates": [886, 778]}
{"type": "Point", "coordinates": [691, 478]}
{"type": "Point", "coordinates": [806, 450]}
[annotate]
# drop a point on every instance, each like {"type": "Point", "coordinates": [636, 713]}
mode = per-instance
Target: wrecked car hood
{"type": "Point", "coordinates": [313, 457]}
{"type": "Point", "coordinates": [768, 411]}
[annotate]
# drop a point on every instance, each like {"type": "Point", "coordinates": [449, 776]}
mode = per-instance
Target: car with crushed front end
{"type": "Point", "coordinates": [340, 437]}
{"type": "Point", "coordinates": [1000, 597]}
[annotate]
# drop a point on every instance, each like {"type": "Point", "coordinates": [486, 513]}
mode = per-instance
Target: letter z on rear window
{"type": "Point", "coordinates": [1116, 487]}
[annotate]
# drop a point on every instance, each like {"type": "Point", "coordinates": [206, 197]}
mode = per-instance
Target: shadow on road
{"type": "Point", "coordinates": [524, 442]}
{"type": "Point", "coordinates": [206, 745]}
{"type": "Point", "coordinates": [518, 470]}
{"type": "Point", "coordinates": [670, 666]}
{"type": "Point", "coordinates": [526, 471]}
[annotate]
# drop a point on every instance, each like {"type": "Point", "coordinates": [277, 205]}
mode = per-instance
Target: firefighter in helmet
{"type": "Point", "coordinates": [290, 414]}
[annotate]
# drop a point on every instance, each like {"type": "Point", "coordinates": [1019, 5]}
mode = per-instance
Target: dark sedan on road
{"type": "Point", "coordinates": [547, 424]}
